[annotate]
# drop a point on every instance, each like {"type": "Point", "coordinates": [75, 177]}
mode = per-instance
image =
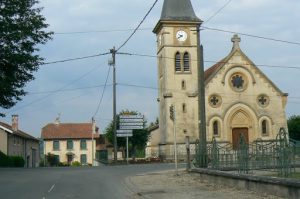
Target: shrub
{"type": "Point", "coordinates": [17, 161]}
{"type": "Point", "coordinates": [11, 161]}
{"type": "Point", "coordinates": [76, 164]}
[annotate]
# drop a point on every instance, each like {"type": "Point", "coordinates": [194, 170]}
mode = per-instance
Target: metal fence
{"type": "Point", "coordinates": [276, 154]}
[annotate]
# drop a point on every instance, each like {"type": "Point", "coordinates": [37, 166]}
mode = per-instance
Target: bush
{"type": "Point", "coordinates": [11, 161]}
{"type": "Point", "coordinates": [76, 164]}
{"type": "Point", "coordinates": [17, 161]}
{"type": "Point", "coordinates": [4, 160]}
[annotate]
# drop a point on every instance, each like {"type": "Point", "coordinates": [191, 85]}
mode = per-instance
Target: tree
{"type": "Point", "coordinates": [22, 28]}
{"type": "Point", "coordinates": [137, 141]}
{"type": "Point", "coordinates": [294, 127]}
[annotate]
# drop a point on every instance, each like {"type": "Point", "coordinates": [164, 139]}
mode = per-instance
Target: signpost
{"type": "Point", "coordinates": [127, 124]}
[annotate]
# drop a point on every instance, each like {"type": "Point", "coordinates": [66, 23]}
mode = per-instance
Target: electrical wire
{"type": "Point", "coordinates": [217, 12]}
{"type": "Point", "coordinates": [138, 26]}
{"type": "Point", "coordinates": [250, 35]}
{"type": "Point", "coordinates": [208, 61]}
{"type": "Point", "coordinates": [100, 31]}
{"type": "Point", "coordinates": [64, 90]}
{"type": "Point", "coordinates": [48, 95]}
{"type": "Point", "coordinates": [73, 59]}
{"type": "Point", "coordinates": [102, 95]}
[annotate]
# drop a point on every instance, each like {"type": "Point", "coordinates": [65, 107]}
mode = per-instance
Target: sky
{"type": "Point", "coordinates": [84, 28]}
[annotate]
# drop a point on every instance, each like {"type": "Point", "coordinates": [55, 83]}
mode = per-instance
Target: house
{"type": "Point", "coordinates": [14, 142]}
{"type": "Point", "coordinates": [71, 142]}
{"type": "Point", "coordinates": [240, 100]}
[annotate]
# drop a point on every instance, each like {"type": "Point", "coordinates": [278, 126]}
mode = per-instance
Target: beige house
{"type": "Point", "coordinates": [70, 142]}
{"type": "Point", "coordinates": [15, 142]}
{"type": "Point", "coordinates": [239, 98]}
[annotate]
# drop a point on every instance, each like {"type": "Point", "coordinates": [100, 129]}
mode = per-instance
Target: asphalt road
{"type": "Point", "coordinates": [104, 182]}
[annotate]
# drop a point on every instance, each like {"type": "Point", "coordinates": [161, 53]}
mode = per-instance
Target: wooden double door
{"type": "Point", "coordinates": [237, 133]}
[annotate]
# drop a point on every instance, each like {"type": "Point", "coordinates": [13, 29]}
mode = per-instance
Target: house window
{"type": "Point", "coordinates": [82, 144]}
{"type": "Point", "coordinates": [83, 158]}
{"type": "Point", "coordinates": [184, 108]}
{"type": "Point", "coordinates": [186, 62]}
{"type": "Point", "coordinates": [216, 128]}
{"type": "Point", "coordinates": [183, 85]}
{"type": "Point", "coordinates": [264, 127]}
{"type": "Point", "coordinates": [177, 62]}
{"type": "Point", "coordinates": [69, 144]}
{"type": "Point", "coordinates": [55, 145]}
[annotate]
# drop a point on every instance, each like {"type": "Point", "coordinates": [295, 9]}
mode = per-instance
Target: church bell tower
{"type": "Point", "coordinates": [177, 72]}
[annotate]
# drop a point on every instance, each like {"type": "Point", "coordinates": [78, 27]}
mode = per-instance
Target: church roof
{"type": "Point", "coordinates": [178, 10]}
{"type": "Point", "coordinates": [213, 70]}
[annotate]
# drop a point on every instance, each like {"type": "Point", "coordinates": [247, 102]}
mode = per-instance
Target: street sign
{"type": "Point", "coordinates": [124, 131]}
{"type": "Point", "coordinates": [131, 120]}
{"type": "Point", "coordinates": [131, 127]}
{"type": "Point", "coordinates": [131, 117]}
{"type": "Point", "coordinates": [124, 135]}
{"type": "Point", "coordinates": [132, 124]}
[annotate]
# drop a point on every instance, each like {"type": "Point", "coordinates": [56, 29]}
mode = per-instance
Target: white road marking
{"type": "Point", "coordinates": [51, 188]}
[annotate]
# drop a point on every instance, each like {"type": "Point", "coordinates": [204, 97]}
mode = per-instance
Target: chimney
{"type": "Point", "coordinates": [15, 122]}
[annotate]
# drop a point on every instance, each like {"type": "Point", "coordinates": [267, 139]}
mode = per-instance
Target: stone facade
{"type": "Point", "coordinates": [240, 100]}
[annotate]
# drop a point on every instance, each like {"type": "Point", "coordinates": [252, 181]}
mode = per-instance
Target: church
{"type": "Point", "coordinates": [240, 100]}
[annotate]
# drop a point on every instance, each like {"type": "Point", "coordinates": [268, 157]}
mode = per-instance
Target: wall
{"type": "Point", "coordinates": [76, 150]}
{"type": "Point", "coordinates": [286, 188]}
{"type": "Point", "coordinates": [3, 141]}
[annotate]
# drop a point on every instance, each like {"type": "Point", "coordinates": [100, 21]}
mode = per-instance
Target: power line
{"type": "Point", "coordinates": [250, 35]}
{"type": "Point", "coordinates": [218, 11]}
{"type": "Point", "coordinates": [42, 98]}
{"type": "Point", "coordinates": [138, 25]}
{"type": "Point", "coordinates": [102, 95]}
{"type": "Point", "coordinates": [208, 61]}
{"type": "Point", "coordinates": [100, 31]}
{"type": "Point", "coordinates": [73, 59]}
{"type": "Point", "coordinates": [63, 90]}
{"type": "Point", "coordinates": [181, 91]}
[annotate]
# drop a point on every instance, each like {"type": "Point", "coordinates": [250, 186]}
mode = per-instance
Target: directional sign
{"type": "Point", "coordinates": [124, 135]}
{"type": "Point", "coordinates": [132, 124]}
{"type": "Point", "coordinates": [124, 131]}
{"type": "Point", "coordinates": [131, 117]}
{"type": "Point", "coordinates": [131, 127]}
{"type": "Point", "coordinates": [132, 120]}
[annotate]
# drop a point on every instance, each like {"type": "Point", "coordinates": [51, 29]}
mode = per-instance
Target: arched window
{"type": "Point", "coordinates": [264, 127]}
{"type": "Point", "coordinates": [184, 108]}
{"type": "Point", "coordinates": [183, 85]}
{"type": "Point", "coordinates": [177, 62]}
{"type": "Point", "coordinates": [216, 128]}
{"type": "Point", "coordinates": [186, 62]}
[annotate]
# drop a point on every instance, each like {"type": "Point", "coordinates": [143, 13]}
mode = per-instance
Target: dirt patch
{"type": "Point", "coordinates": [166, 185]}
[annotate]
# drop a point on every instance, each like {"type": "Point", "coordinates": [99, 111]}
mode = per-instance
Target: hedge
{"type": "Point", "coordinates": [11, 161]}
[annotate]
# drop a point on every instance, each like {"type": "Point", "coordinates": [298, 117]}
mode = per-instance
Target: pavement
{"type": "Point", "coordinates": [166, 185]}
{"type": "Point", "coordinates": [157, 181]}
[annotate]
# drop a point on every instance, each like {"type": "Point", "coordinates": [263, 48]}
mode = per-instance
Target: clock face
{"type": "Point", "coordinates": [181, 35]}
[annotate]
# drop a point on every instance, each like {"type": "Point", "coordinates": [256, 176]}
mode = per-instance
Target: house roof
{"type": "Point", "coordinates": [20, 133]}
{"type": "Point", "coordinates": [68, 130]}
{"type": "Point", "coordinates": [178, 10]}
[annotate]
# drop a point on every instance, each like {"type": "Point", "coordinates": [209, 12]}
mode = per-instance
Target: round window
{"type": "Point", "coordinates": [238, 82]}
{"type": "Point", "coordinates": [263, 100]}
{"type": "Point", "coordinates": [215, 101]}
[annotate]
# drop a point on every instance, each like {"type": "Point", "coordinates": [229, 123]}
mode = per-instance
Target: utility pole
{"type": "Point", "coordinates": [113, 63]}
{"type": "Point", "coordinates": [201, 104]}
{"type": "Point", "coordinates": [93, 132]}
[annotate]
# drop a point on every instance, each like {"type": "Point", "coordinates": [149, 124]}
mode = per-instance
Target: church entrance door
{"type": "Point", "coordinates": [236, 136]}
